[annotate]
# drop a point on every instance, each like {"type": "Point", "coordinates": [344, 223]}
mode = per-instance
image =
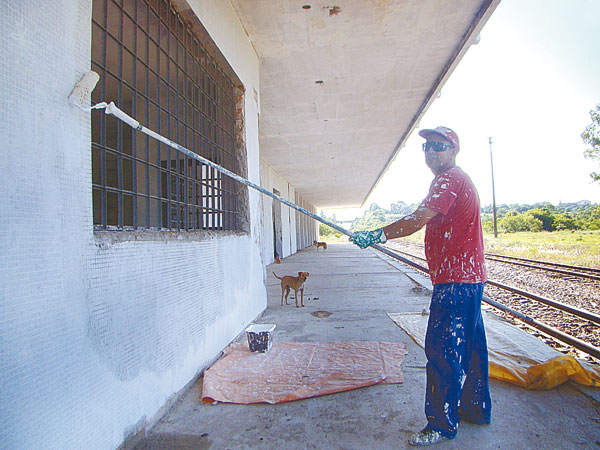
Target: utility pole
{"type": "Point", "coordinates": [493, 191]}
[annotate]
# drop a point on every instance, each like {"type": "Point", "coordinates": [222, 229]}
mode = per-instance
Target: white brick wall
{"type": "Point", "coordinates": [96, 335]}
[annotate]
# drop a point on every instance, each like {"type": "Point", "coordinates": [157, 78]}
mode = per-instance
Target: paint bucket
{"type": "Point", "coordinates": [260, 337]}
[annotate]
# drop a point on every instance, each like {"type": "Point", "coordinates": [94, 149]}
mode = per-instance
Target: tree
{"type": "Point", "coordinates": [326, 230]}
{"type": "Point", "coordinates": [591, 136]}
{"type": "Point", "coordinates": [589, 217]}
{"type": "Point", "coordinates": [545, 216]}
{"type": "Point", "coordinates": [566, 222]}
{"type": "Point", "coordinates": [373, 218]}
{"type": "Point", "coordinates": [402, 209]}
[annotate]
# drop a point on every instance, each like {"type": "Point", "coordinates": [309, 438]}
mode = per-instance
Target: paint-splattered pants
{"type": "Point", "coordinates": [457, 359]}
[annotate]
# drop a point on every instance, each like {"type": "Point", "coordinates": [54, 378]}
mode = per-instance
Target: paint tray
{"type": "Point", "coordinates": [260, 336]}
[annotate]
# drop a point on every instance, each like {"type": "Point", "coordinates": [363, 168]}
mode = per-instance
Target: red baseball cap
{"type": "Point", "coordinates": [444, 132]}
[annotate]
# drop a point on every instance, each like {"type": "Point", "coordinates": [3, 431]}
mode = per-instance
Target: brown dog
{"type": "Point", "coordinates": [320, 244]}
{"type": "Point", "coordinates": [296, 283]}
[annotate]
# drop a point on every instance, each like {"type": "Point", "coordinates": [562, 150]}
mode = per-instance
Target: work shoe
{"type": "Point", "coordinates": [426, 436]}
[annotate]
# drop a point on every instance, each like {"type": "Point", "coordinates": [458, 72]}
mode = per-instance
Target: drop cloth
{"type": "Point", "coordinates": [297, 370]}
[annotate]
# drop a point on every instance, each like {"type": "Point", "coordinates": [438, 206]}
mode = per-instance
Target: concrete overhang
{"type": "Point", "coordinates": [343, 84]}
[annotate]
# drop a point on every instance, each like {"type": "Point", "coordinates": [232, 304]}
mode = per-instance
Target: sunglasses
{"type": "Point", "coordinates": [435, 146]}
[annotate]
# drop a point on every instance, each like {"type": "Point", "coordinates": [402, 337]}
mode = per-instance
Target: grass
{"type": "Point", "coordinates": [580, 248]}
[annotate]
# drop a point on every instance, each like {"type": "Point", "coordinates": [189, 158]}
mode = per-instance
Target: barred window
{"type": "Point", "coordinates": [154, 67]}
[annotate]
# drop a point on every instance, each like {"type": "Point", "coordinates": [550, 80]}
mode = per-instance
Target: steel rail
{"type": "Point", "coordinates": [563, 337]}
{"type": "Point", "coordinates": [548, 269]}
{"type": "Point", "coordinates": [555, 304]}
{"type": "Point", "coordinates": [566, 266]}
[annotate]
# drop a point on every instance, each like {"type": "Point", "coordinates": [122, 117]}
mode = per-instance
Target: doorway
{"type": "Point", "coordinates": [277, 232]}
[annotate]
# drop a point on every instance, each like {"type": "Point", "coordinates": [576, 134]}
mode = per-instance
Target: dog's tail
{"type": "Point", "coordinates": [280, 278]}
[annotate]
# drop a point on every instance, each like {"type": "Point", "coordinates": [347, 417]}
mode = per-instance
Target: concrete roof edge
{"type": "Point", "coordinates": [479, 21]}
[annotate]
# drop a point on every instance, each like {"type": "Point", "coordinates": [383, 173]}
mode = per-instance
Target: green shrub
{"type": "Point", "coordinates": [516, 222]}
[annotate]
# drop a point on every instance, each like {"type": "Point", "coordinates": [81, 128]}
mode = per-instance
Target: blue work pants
{"type": "Point", "coordinates": [457, 359]}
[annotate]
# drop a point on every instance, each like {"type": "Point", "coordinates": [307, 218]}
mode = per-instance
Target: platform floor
{"type": "Point", "coordinates": [359, 287]}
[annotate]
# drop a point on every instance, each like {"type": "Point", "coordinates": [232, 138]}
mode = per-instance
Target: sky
{"type": "Point", "coordinates": [529, 84]}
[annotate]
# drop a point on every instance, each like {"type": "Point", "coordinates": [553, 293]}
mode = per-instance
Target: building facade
{"type": "Point", "coordinates": [126, 267]}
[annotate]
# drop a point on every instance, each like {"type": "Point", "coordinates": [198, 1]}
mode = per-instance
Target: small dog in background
{"type": "Point", "coordinates": [320, 244]}
{"type": "Point", "coordinates": [296, 283]}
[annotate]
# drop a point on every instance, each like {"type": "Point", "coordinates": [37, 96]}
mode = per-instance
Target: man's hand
{"type": "Point", "coordinates": [366, 238]}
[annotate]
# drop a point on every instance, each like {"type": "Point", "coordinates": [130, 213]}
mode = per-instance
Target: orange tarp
{"type": "Point", "coordinates": [296, 370]}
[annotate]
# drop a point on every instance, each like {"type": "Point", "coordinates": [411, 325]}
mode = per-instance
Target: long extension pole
{"type": "Point", "coordinates": [111, 108]}
{"type": "Point", "coordinates": [80, 95]}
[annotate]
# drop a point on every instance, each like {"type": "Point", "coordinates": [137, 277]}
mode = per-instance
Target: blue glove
{"type": "Point", "coordinates": [365, 238]}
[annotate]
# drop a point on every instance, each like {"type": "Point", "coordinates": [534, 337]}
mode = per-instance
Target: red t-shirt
{"type": "Point", "coordinates": [453, 238]}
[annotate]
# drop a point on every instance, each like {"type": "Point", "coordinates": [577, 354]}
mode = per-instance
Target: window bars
{"type": "Point", "coordinates": [155, 69]}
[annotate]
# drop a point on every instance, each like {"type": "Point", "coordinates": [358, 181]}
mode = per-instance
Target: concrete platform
{"type": "Point", "coordinates": [358, 287]}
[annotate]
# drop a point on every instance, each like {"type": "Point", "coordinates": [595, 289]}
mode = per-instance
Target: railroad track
{"type": "Point", "coordinates": [547, 266]}
{"type": "Point", "coordinates": [563, 269]}
{"type": "Point", "coordinates": [555, 302]}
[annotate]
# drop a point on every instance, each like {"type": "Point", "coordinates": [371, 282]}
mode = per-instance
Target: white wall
{"type": "Point", "coordinates": [271, 180]}
{"type": "Point", "coordinates": [97, 333]}
{"type": "Point", "coordinates": [289, 217]}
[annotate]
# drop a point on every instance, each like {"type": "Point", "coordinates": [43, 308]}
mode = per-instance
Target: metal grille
{"type": "Point", "coordinates": [153, 67]}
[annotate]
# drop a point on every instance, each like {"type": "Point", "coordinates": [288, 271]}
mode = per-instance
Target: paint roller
{"type": "Point", "coordinates": [80, 98]}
